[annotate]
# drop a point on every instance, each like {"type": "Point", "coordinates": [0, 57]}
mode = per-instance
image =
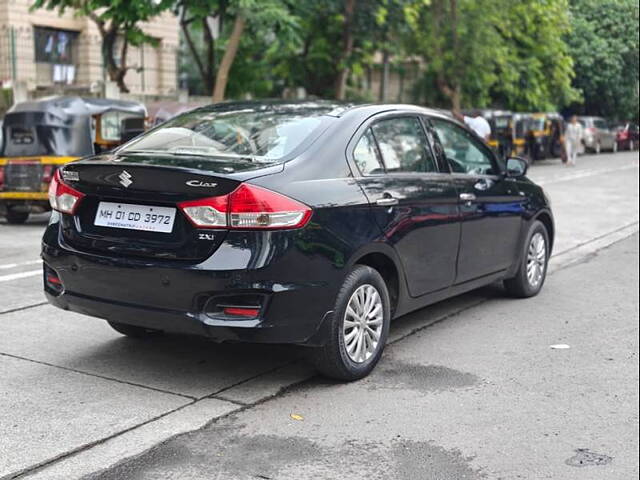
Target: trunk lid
{"type": "Point", "coordinates": [144, 181]}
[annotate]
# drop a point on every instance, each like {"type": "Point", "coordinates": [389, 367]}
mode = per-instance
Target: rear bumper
{"type": "Point", "coordinates": [190, 323]}
{"type": "Point", "coordinates": [172, 297]}
{"type": "Point", "coordinates": [589, 142]}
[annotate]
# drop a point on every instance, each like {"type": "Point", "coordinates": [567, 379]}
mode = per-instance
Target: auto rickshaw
{"type": "Point", "coordinates": [520, 124]}
{"type": "Point", "coordinates": [41, 135]}
{"type": "Point", "coordinates": [501, 139]}
{"type": "Point", "coordinates": [545, 138]}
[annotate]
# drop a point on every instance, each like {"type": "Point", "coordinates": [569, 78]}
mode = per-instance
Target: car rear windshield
{"type": "Point", "coordinates": [265, 134]}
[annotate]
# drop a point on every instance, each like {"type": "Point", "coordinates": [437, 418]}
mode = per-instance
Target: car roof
{"type": "Point", "coordinates": [333, 108]}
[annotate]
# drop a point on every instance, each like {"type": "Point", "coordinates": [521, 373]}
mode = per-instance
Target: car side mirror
{"type": "Point", "coordinates": [517, 167]}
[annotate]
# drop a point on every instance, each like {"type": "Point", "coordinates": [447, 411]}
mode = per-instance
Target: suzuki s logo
{"type": "Point", "coordinates": [200, 183]}
{"type": "Point", "coordinates": [125, 179]}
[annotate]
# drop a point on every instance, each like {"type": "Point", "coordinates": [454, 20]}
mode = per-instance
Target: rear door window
{"type": "Point", "coordinates": [367, 156]}
{"type": "Point", "coordinates": [403, 145]}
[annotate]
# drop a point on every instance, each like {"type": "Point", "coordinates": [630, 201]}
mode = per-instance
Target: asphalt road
{"type": "Point", "coordinates": [470, 388]}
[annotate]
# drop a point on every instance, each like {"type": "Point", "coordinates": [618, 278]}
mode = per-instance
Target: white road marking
{"type": "Point", "coordinates": [582, 174]}
{"type": "Point", "coordinates": [7, 266]}
{"type": "Point", "coordinates": [17, 276]}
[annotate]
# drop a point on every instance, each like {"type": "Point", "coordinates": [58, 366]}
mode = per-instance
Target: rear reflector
{"type": "Point", "coordinates": [247, 207]}
{"type": "Point", "coordinates": [62, 197]}
{"type": "Point", "coordinates": [52, 281]}
{"type": "Point", "coordinates": [241, 312]}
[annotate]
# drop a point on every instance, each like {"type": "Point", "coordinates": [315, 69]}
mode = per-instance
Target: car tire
{"type": "Point", "coordinates": [133, 331]}
{"type": "Point", "coordinates": [16, 217]}
{"type": "Point", "coordinates": [532, 270]}
{"type": "Point", "coordinates": [351, 352]}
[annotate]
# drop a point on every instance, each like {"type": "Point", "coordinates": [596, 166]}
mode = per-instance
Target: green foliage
{"type": "Point", "coordinates": [604, 45]}
{"type": "Point", "coordinates": [270, 24]}
{"type": "Point", "coordinates": [524, 55]}
{"type": "Point", "coordinates": [493, 52]}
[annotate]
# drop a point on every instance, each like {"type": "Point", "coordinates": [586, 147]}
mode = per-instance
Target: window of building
{"type": "Point", "coordinates": [54, 46]}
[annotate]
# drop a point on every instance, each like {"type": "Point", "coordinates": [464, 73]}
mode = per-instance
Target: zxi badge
{"type": "Point", "coordinates": [125, 179]}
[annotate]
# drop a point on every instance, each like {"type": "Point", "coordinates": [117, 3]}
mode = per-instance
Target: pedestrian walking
{"type": "Point", "coordinates": [572, 139]}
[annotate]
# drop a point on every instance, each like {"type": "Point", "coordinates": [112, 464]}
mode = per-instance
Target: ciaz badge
{"type": "Point", "coordinates": [200, 183]}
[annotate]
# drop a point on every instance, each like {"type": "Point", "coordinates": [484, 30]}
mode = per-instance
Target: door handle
{"type": "Point", "coordinates": [387, 201]}
{"type": "Point", "coordinates": [467, 197]}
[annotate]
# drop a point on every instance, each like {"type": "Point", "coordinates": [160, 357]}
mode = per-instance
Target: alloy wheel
{"type": "Point", "coordinates": [536, 260]}
{"type": "Point", "coordinates": [362, 324]}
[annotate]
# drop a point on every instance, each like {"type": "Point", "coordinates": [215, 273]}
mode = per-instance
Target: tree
{"type": "Point", "coordinates": [222, 24]}
{"type": "Point", "coordinates": [483, 52]}
{"type": "Point", "coordinates": [604, 45]}
{"type": "Point", "coordinates": [346, 50]}
{"type": "Point", "coordinates": [117, 21]}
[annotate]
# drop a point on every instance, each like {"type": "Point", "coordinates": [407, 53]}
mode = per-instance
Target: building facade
{"type": "Point", "coordinates": [42, 52]}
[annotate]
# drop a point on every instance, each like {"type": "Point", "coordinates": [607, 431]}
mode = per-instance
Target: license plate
{"type": "Point", "coordinates": [135, 217]}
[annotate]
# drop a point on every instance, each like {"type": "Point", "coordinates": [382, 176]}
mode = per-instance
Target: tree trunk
{"type": "Point", "coordinates": [347, 48]}
{"type": "Point", "coordinates": [115, 72]}
{"type": "Point", "coordinates": [227, 59]}
{"type": "Point", "coordinates": [384, 81]}
{"type": "Point", "coordinates": [211, 53]}
{"type": "Point", "coordinates": [184, 25]}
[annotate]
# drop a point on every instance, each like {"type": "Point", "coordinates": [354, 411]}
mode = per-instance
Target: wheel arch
{"type": "Point", "coordinates": [547, 220]}
{"type": "Point", "coordinates": [382, 258]}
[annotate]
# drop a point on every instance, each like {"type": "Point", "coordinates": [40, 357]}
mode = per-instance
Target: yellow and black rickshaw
{"type": "Point", "coordinates": [501, 139]}
{"type": "Point", "coordinates": [545, 138]}
{"type": "Point", "coordinates": [520, 123]}
{"type": "Point", "coordinates": [41, 135]}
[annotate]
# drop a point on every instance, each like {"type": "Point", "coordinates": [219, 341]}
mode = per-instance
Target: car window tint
{"type": "Point", "coordinates": [403, 145]}
{"type": "Point", "coordinates": [463, 151]}
{"type": "Point", "coordinates": [367, 156]}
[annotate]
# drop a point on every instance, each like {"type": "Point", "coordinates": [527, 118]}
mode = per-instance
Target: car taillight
{"type": "Point", "coordinates": [1, 175]}
{"type": "Point", "coordinates": [247, 207]}
{"type": "Point", "coordinates": [591, 130]}
{"type": "Point", "coordinates": [47, 173]}
{"type": "Point", "coordinates": [62, 197]}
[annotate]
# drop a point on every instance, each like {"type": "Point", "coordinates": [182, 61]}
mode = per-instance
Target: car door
{"type": "Point", "coordinates": [414, 204]}
{"type": "Point", "coordinates": [491, 205]}
{"type": "Point", "coordinates": [605, 133]}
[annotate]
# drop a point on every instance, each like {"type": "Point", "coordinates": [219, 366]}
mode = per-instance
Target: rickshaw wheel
{"type": "Point", "coordinates": [16, 217]}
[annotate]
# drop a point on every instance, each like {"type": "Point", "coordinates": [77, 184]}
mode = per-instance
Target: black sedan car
{"type": "Point", "coordinates": [307, 223]}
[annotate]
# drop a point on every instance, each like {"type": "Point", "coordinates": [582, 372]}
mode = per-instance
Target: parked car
{"type": "Point", "coordinates": [306, 223]}
{"type": "Point", "coordinates": [598, 135]}
{"type": "Point", "coordinates": [627, 137]}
